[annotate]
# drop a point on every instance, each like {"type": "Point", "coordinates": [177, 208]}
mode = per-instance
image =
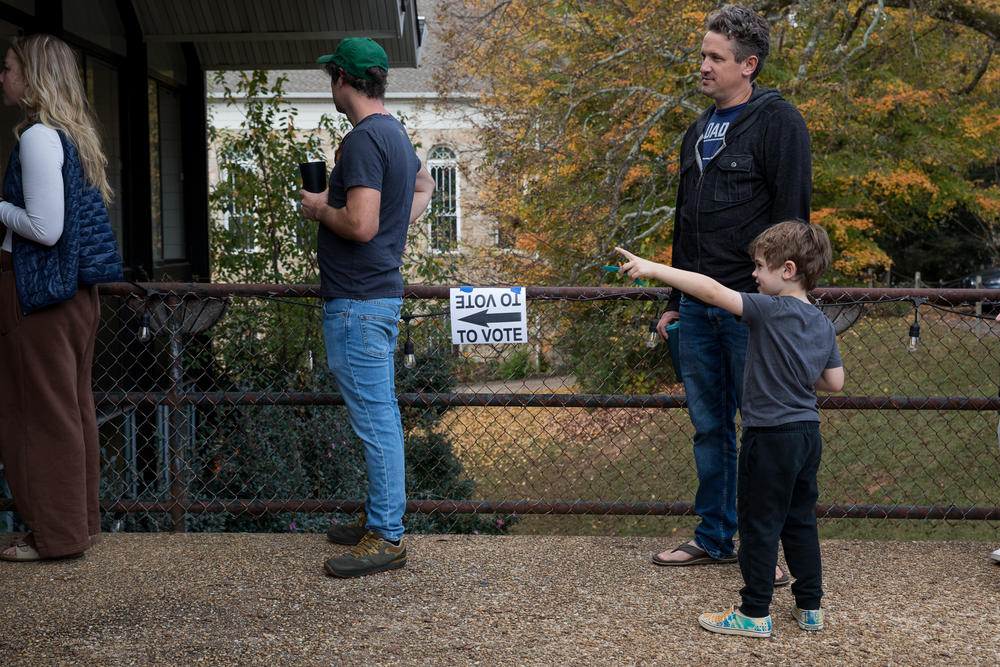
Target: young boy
{"type": "Point", "coordinates": [792, 352]}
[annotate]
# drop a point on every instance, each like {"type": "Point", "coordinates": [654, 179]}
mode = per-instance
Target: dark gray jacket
{"type": "Point", "coordinates": [761, 176]}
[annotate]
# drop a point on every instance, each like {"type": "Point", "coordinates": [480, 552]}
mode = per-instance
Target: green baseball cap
{"type": "Point", "coordinates": [356, 54]}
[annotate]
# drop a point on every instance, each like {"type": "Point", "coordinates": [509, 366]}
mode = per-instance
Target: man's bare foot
{"type": "Point", "coordinates": [679, 556]}
{"type": "Point", "coordinates": [676, 556]}
{"type": "Point", "coordinates": [689, 553]}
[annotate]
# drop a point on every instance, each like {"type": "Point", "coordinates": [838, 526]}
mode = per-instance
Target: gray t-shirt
{"type": "Point", "coordinates": [791, 343]}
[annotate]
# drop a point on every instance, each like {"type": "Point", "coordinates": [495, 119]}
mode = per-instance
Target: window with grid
{"type": "Point", "coordinates": [443, 221]}
{"type": "Point", "coordinates": [239, 218]}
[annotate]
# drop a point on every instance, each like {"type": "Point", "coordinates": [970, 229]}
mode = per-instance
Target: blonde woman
{"type": "Point", "coordinates": [57, 245]}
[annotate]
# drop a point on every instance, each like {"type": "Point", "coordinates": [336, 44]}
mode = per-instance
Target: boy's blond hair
{"type": "Point", "coordinates": [801, 242]}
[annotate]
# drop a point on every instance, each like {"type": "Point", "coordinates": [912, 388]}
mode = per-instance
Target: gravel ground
{"type": "Point", "coordinates": [150, 599]}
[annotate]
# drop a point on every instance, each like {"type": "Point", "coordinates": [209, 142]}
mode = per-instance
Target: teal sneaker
{"type": "Point", "coordinates": [348, 533]}
{"type": "Point", "coordinates": [372, 554]}
{"type": "Point", "coordinates": [809, 619]}
{"type": "Point", "coordinates": [732, 622]}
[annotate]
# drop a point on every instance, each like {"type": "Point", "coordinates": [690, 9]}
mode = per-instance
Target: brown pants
{"type": "Point", "coordinates": [48, 425]}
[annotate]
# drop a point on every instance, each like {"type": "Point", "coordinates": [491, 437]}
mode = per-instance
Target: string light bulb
{"type": "Point", "coordinates": [914, 337]}
{"type": "Point", "coordinates": [914, 341]}
{"type": "Point", "coordinates": [145, 333]}
{"type": "Point", "coordinates": [409, 358]}
{"type": "Point", "coordinates": [652, 336]}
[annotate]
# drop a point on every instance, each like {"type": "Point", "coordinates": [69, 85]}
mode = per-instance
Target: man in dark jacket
{"type": "Point", "coordinates": [745, 165]}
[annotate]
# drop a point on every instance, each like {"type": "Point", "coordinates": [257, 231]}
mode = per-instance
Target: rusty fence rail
{"type": "Point", "coordinates": [217, 412]}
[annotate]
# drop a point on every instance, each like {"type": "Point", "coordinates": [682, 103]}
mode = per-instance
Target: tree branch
{"type": "Point", "coordinates": [879, 13]}
{"type": "Point", "coordinates": [967, 13]}
{"type": "Point", "coordinates": [810, 49]}
{"type": "Point", "coordinates": [983, 66]}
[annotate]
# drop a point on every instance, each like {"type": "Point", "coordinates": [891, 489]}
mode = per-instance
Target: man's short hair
{"type": "Point", "coordinates": [801, 242]}
{"type": "Point", "coordinates": [749, 31]}
{"type": "Point", "coordinates": [373, 88]}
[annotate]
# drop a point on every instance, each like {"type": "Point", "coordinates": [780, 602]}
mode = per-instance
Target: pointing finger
{"type": "Point", "coordinates": [625, 253]}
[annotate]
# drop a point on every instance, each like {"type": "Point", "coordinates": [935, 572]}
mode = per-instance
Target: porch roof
{"type": "Point", "coordinates": [252, 34]}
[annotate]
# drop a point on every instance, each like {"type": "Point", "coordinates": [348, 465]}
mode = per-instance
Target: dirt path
{"type": "Point", "coordinates": [242, 599]}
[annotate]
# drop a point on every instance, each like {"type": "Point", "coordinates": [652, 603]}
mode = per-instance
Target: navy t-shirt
{"type": "Point", "coordinates": [376, 154]}
{"type": "Point", "coordinates": [714, 134]}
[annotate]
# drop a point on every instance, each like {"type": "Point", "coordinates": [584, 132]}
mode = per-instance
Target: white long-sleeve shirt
{"type": "Point", "coordinates": [41, 219]}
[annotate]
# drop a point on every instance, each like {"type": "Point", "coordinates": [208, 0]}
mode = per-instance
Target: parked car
{"type": "Point", "coordinates": [990, 278]}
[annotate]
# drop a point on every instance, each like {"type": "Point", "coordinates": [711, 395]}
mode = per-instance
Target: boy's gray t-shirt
{"type": "Point", "coordinates": [791, 343]}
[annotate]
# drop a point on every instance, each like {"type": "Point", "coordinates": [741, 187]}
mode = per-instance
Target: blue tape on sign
{"type": "Point", "coordinates": [465, 289]}
{"type": "Point", "coordinates": [515, 290]}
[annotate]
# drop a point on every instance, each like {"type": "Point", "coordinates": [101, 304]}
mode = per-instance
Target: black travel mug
{"type": "Point", "coordinates": [313, 176]}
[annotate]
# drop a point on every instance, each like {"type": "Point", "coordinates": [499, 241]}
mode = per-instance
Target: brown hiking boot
{"type": "Point", "coordinates": [372, 554]}
{"type": "Point", "coordinates": [348, 533]}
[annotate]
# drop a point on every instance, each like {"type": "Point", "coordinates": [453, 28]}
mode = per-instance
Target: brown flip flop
{"type": "Point", "coordinates": [698, 557]}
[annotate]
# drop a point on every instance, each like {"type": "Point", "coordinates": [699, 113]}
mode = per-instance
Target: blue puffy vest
{"type": "Point", "coordinates": [85, 254]}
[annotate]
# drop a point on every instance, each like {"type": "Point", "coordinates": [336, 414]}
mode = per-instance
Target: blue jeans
{"type": "Point", "coordinates": [713, 346]}
{"type": "Point", "coordinates": [360, 341]}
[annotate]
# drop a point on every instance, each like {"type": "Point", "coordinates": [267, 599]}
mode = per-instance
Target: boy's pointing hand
{"type": "Point", "coordinates": [635, 267]}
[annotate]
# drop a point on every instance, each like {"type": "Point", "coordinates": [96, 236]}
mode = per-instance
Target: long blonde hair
{"type": "Point", "coordinates": [54, 96]}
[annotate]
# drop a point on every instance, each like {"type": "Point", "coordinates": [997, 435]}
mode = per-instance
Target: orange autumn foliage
{"type": "Point", "coordinates": [583, 104]}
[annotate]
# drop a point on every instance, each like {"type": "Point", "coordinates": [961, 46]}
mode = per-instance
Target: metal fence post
{"type": "Point", "coordinates": [175, 396]}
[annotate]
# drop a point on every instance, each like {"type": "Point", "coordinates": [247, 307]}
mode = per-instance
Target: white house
{"type": "Point", "coordinates": [441, 128]}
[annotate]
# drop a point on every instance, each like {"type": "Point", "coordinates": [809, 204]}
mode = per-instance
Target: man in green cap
{"type": "Point", "coordinates": [377, 188]}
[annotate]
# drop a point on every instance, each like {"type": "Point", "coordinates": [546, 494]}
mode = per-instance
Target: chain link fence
{"type": "Point", "coordinates": [217, 413]}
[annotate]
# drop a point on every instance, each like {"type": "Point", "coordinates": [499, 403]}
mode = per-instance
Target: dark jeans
{"type": "Point", "coordinates": [713, 346]}
{"type": "Point", "coordinates": [776, 498]}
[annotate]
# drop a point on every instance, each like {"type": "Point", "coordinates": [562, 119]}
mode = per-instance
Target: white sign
{"type": "Point", "coordinates": [488, 315]}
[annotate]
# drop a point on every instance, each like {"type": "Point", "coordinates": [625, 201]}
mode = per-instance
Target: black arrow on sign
{"type": "Point", "coordinates": [484, 319]}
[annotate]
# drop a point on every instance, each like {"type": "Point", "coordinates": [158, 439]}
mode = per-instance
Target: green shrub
{"type": "Point", "coordinates": [288, 452]}
{"type": "Point", "coordinates": [520, 363]}
{"type": "Point", "coordinates": [608, 354]}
